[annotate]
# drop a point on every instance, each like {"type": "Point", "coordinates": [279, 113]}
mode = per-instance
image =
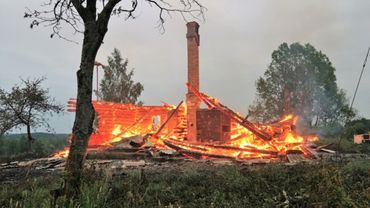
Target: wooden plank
{"type": "Point", "coordinates": [311, 152]}
{"type": "Point", "coordinates": [249, 149]}
{"type": "Point", "coordinates": [328, 150]}
{"type": "Point", "coordinates": [201, 150]}
{"type": "Point", "coordinates": [295, 158]}
{"type": "Point", "coordinates": [115, 155]}
{"type": "Point", "coordinates": [177, 145]}
{"type": "Point", "coordinates": [168, 119]}
{"type": "Point", "coordinates": [199, 154]}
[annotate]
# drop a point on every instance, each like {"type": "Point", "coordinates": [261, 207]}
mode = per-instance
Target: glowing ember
{"type": "Point", "coordinates": [63, 153]}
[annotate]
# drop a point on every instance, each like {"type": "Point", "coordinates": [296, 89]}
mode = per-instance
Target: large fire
{"type": "Point", "coordinates": [164, 127]}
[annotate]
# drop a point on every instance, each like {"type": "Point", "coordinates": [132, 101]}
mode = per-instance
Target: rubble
{"type": "Point", "coordinates": [296, 158]}
{"type": "Point", "coordinates": [94, 155]}
{"type": "Point", "coordinates": [118, 163]}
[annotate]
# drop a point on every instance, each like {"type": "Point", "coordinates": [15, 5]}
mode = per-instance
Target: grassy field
{"type": "Point", "coordinates": [276, 185]}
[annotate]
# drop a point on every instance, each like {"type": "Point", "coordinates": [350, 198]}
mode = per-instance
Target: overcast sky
{"type": "Point", "coordinates": [237, 39]}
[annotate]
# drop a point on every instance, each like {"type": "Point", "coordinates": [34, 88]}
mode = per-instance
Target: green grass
{"type": "Point", "coordinates": [302, 185]}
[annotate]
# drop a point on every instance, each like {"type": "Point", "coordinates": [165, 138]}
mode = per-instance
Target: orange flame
{"type": "Point", "coordinates": [117, 122]}
{"type": "Point", "coordinates": [63, 153]}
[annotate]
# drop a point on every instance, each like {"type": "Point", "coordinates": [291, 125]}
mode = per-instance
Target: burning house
{"type": "Point", "coordinates": [216, 131]}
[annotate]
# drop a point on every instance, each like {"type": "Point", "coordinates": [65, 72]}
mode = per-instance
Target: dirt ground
{"type": "Point", "coordinates": [18, 171]}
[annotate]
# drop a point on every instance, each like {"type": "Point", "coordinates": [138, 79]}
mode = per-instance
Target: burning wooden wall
{"type": "Point", "coordinates": [115, 121]}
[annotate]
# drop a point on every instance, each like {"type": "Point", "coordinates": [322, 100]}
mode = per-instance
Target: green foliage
{"type": "Point", "coordinates": [359, 126]}
{"type": "Point", "coordinates": [117, 84]}
{"type": "Point", "coordinates": [302, 185]}
{"type": "Point", "coordinates": [14, 146]}
{"type": "Point", "coordinates": [305, 78]}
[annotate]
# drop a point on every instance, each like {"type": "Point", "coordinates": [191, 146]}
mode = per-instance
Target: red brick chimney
{"type": "Point", "coordinates": [192, 101]}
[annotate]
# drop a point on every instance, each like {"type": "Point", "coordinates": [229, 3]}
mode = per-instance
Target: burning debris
{"type": "Point", "coordinates": [187, 130]}
{"type": "Point", "coordinates": [117, 135]}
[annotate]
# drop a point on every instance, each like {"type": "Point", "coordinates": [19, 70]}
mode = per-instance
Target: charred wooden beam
{"type": "Point", "coordinates": [168, 119]}
{"type": "Point", "coordinates": [199, 154]}
{"type": "Point", "coordinates": [104, 155]}
{"type": "Point", "coordinates": [295, 158]}
{"type": "Point", "coordinates": [245, 149]}
{"type": "Point", "coordinates": [123, 149]}
{"type": "Point", "coordinates": [180, 145]}
{"type": "Point", "coordinates": [311, 152]}
{"type": "Point", "coordinates": [193, 149]}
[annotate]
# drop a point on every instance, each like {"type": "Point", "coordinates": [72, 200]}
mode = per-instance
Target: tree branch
{"type": "Point", "coordinates": [104, 16]}
{"type": "Point", "coordinates": [166, 7]}
{"type": "Point", "coordinates": [76, 13]}
{"type": "Point", "coordinates": [80, 9]}
{"type": "Point", "coordinates": [91, 10]}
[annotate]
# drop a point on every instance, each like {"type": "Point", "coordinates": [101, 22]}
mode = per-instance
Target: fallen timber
{"type": "Point", "coordinates": [200, 154]}
{"type": "Point", "coordinates": [245, 149]}
{"type": "Point", "coordinates": [115, 155]}
{"type": "Point", "coordinates": [296, 158]}
{"type": "Point", "coordinates": [312, 152]}
{"type": "Point", "coordinates": [212, 103]}
{"type": "Point", "coordinates": [202, 150]}
{"type": "Point", "coordinates": [177, 145]}
{"type": "Point", "coordinates": [123, 149]}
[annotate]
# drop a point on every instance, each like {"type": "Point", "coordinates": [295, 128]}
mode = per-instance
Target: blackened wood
{"type": "Point", "coordinates": [249, 149]}
{"type": "Point", "coordinates": [105, 155]}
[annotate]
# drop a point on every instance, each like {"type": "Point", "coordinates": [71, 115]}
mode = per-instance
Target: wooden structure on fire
{"type": "Point", "coordinates": [216, 131]}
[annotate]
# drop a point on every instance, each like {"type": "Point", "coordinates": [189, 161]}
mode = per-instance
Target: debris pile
{"type": "Point", "coordinates": [126, 131]}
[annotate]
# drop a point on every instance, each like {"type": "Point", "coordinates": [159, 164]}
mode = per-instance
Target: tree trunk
{"type": "Point", "coordinates": [30, 139]}
{"type": "Point", "coordinates": [83, 125]}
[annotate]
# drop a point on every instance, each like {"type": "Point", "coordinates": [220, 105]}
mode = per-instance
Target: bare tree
{"type": "Point", "coordinates": [93, 16]}
{"type": "Point", "coordinates": [26, 105]}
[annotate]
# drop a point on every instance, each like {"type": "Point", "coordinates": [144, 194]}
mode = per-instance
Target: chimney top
{"type": "Point", "coordinates": [193, 31]}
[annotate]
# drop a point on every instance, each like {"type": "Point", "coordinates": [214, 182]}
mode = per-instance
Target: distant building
{"type": "Point", "coordinates": [361, 138]}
